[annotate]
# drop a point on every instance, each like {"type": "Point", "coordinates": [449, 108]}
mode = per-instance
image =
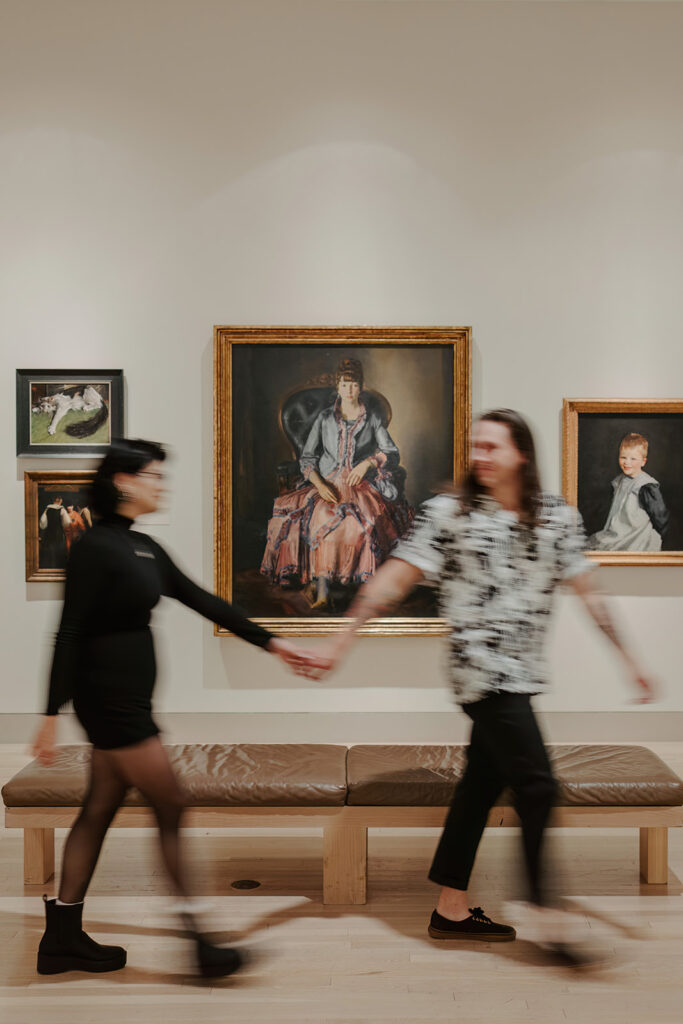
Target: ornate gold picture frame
{"type": "Point", "coordinates": [56, 516]}
{"type": "Point", "coordinates": [295, 529]}
{"type": "Point", "coordinates": [622, 466]}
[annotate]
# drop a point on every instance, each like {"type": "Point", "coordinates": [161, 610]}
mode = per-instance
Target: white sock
{"type": "Point", "coordinates": [61, 903]}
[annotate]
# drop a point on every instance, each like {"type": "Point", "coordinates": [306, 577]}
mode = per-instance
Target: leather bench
{"type": "Point", "coordinates": [345, 791]}
{"type": "Point", "coordinates": [227, 786]}
{"type": "Point", "coordinates": [600, 786]}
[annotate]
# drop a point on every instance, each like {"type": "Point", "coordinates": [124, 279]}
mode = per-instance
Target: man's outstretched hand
{"type": "Point", "coordinates": [647, 691]}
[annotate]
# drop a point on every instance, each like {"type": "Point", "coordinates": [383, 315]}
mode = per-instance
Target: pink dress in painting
{"type": "Point", "coordinates": [310, 538]}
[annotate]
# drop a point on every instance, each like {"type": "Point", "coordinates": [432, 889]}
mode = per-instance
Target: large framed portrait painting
{"type": "Point", "coordinates": [326, 442]}
{"type": "Point", "coordinates": [623, 469]}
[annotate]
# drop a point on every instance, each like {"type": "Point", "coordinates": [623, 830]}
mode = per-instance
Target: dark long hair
{"type": "Point", "coordinates": [124, 456]}
{"type": "Point", "coordinates": [469, 490]}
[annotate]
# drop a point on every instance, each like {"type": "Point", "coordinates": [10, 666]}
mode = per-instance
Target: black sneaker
{"type": "Point", "coordinates": [477, 926]}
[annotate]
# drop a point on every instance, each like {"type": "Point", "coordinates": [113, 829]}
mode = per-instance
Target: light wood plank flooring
{"type": "Point", "coordinates": [321, 965]}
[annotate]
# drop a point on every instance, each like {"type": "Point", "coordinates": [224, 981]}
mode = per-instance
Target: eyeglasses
{"type": "Point", "coordinates": [157, 476]}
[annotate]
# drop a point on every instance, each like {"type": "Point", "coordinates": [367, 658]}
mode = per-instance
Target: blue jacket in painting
{"type": "Point", "coordinates": [334, 442]}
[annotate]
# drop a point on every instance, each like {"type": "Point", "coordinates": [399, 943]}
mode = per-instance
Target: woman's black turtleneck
{"type": "Point", "coordinates": [103, 649]}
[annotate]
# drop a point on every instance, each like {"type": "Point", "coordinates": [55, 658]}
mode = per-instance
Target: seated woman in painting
{"type": "Point", "coordinates": [346, 515]}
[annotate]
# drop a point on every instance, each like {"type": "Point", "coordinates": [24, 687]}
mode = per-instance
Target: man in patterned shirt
{"type": "Point", "coordinates": [496, 547]}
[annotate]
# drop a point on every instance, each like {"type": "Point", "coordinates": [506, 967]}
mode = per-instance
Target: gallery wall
{"type": "Point", "coordinates": [168, 166]}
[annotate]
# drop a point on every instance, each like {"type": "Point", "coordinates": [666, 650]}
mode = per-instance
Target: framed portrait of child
{"type": "Point", "coordinates": [623, 469]}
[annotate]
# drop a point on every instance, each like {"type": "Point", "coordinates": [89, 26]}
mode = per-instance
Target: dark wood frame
{"type": "Point", "coordinates": [24, 379]}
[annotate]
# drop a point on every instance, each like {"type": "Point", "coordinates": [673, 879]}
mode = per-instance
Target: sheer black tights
{"type": "Point", "coordinates": [112, 772]}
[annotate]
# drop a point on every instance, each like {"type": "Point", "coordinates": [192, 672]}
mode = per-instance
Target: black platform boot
{"type": "Point", "coordinates": [66, 947]}
{"type": "Point", "coordinates": [212, 961]}
{"type": "Point", "coordinates": [217, 961]}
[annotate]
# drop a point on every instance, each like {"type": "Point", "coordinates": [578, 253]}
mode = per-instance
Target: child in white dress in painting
{"type": "Point", "coordinates": [638, 517]}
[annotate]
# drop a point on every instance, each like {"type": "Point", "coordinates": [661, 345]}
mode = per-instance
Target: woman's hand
{"type": "Point", "coordinates": [325, 489]}
{"type": "Point", "coordinates": [43, 746]}
{"type": "Point", "coordinates": [359, 471]}
{"type": "Point", "coordinates": [303, 662]}
{"type": "Point", "coordinates": [327, 492]}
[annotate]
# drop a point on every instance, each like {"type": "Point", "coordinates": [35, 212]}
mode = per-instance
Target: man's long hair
{"type": "Point", "coordinates": [470, 491]}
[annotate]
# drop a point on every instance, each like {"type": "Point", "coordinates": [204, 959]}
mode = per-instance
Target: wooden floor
{"type": "Point", "coordinates": [320, 965]}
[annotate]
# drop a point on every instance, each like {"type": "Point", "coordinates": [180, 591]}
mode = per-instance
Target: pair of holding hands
{"type": "Point", "coordinates": [307, 663]}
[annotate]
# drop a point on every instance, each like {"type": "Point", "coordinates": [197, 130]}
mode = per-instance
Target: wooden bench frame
{"type": "Point", "coordinates": [345, 833]}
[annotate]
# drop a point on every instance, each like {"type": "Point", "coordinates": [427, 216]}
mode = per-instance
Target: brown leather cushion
{"type": "Point", "coordinates": [211, 774]}
{"type": "Point", "coordinates": [425, 775]}
{"type": "Point", "coordinates": [296, 775]}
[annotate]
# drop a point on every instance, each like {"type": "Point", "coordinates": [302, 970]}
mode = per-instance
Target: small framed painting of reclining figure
{"type": "Point", "coordinates": [68, 412]}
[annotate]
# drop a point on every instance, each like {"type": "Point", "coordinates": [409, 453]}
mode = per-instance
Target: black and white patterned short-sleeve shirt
{"type": "Point", "coordinates": [495, 581]}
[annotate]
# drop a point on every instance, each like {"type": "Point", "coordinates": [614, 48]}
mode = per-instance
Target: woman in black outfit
{"type": "Point", "coordinates": [104, 661]}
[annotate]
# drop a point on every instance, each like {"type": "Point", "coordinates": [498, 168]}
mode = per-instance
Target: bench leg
{"type": "Point", "coordinates": [39, 855]}
{"type": "Point", "coordinates": [345, 863]}
{"type": "Point", "coordinates": [654, 858]}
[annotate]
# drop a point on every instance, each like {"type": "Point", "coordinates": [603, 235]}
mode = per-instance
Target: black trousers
{"type": "Point", "coordinates": [506, 749]}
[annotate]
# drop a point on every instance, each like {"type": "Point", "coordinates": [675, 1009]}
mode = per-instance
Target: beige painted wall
{"type": "Point", "coordinates": [170, 165]}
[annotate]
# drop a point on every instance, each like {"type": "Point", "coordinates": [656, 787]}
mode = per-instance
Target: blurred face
{"type": "Point", "coordinates": [145, 487]}
{"type": "Point", "coordinates": [349, 390]}
{"type": "Point", "coordinates": [496, 460]}
{"type": "Point", "coordinates": [632, 460]}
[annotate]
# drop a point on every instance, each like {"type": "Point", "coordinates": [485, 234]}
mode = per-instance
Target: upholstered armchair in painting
{"type": "Point", "coordinates": [298, 413]}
